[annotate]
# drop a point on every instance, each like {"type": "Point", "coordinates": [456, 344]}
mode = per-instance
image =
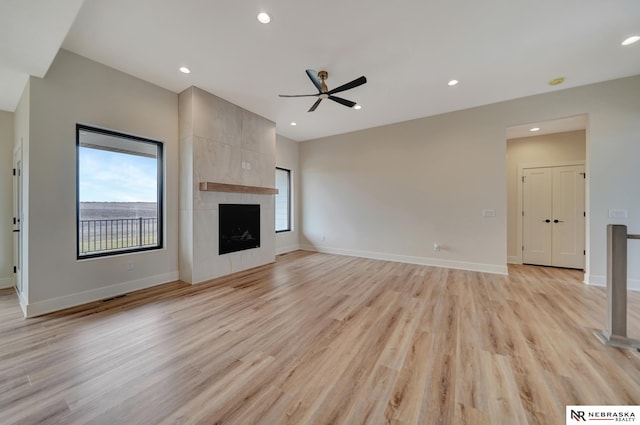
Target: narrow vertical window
{"type": "Point", "coordinates": [283, 200]}
{"type": "Point", "coordinates": [119, 193]}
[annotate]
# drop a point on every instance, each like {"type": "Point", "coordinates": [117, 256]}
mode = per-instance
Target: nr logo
{"type": "Point", "coordinates": [577, 415]}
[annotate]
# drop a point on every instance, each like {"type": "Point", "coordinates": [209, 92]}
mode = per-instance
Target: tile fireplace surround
{"type": "Point", "coordinates": [222, 143]}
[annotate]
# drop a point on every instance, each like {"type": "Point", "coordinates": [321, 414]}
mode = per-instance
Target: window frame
{"type": "Point", "coordinates": [289, 206]}
{"type": "Point", "coordinates": [159, 196]}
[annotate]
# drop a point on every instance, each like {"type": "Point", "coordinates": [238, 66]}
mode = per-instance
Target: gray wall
{"type": "Point", "coordinates": [77, 90]}
{"type": "Point", "coordinates": [6, 196]}
{"type": "Point", "coordinates": [391, 192]}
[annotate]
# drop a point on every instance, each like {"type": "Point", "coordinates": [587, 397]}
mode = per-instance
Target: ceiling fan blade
{"type": "Point", "coordinates": [313, 76]}
{"type": "Point", "coordinates": [342, 101]}
{"type": "Point", "coordinates": [355, 83]}
{"type": "Point", "coordinates": [297, 95]}
{"type": "Point", "coordinates": [315, 105]}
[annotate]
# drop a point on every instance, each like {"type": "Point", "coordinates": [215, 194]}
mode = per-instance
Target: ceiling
{"type": "Point", "coordinates": [408, 50]}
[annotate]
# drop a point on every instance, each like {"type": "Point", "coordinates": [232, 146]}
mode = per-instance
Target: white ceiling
{"type": "Point", "coordinates": [408, 50]}
{"type": "Point", "coordinates": [31, 32]}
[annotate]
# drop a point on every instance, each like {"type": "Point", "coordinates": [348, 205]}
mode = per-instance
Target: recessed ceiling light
{"type": "Point", "coordinates": [264, 18]}
{"type": "Point", "coordinates": [294, 123]}
{"type": "Point", "coordinates": [631, 40]}
{"type": "Point", "coordinates": [452, 82]}
{"type": "Point", "coordinates": [556, 81]}
{"type": "Point", "coordinates": [185, 70]}
{"type": "Point", "coordinates": [357, 107]}
{"type": "Point", "coordinates": [534, 129]}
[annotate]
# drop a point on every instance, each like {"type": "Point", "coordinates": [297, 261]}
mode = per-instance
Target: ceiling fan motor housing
{"type": "Point", "coordinates": [323, 75]}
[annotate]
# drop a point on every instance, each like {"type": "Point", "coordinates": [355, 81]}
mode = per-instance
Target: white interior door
{"type": "Point", "coordinates": [17, 217]}
{"type": "Point", "coordinates": [568, 217]}
{"type": "Point", "coordinates": [553, 216]}
{"type": "Point", "coordinates": [537, 210]}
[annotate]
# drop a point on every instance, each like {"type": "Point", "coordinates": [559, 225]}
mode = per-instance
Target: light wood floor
{"type": "Point", "coordinates": [321, 339]}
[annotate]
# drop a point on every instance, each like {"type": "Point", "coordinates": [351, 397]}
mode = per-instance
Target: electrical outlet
{"type": "Point", "coordinates": [436, 247]}
{"type": "Point", "coordinates": [130, 266]}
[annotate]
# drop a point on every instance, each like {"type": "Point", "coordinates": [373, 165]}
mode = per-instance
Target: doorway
{"type": "Point", "coordinates": [557, 143]}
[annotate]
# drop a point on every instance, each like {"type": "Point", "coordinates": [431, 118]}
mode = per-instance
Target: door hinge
{"type": "Point", "coordinates": [15, 269]}
{"type": "Point", "coordinates": [523, 247]}
{"type": "Point", "coordinates": [584, 213]}
{"type": "Point", "coordinates": [584, 175]}
{"type": "Point", "coordinates": [523, 213]}
{"type": "Point", "coordinates": [523, 179]}
{"type": "Point", "coordinates": [584, 252]}
{"type": "Point", "coordinates": [14, 171]}
{"type": "Point", "coordinates": [14, 220]}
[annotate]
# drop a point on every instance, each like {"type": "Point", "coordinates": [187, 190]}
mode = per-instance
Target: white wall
{"type": "Point", "coordinates": [392, 191]}
{"type": "Point", "coordinates": [6, 199]}
{"type": "Point", "coordinates": [544, 149]}
{"type": "Point", "coordinates": [77, 90]}
{"type": "Point", "coordinates": [287, 152]}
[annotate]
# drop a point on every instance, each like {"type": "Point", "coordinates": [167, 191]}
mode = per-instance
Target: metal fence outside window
{"type": "Point", "coordinates": [113, 234]}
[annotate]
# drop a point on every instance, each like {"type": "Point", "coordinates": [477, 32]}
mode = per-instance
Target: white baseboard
{"type": "Point", "coordinates": [595, 280]}
{"type": "Point", "coordinates": [60, 303]}
{"type": "Point", "coordinates": [513, 260]}
{"type": "Point", "coordinates": [288, 248]}
{"type": "Point", "coordinates": [7, 282]}
{"type": "Point", "coordinates": [424, 261]}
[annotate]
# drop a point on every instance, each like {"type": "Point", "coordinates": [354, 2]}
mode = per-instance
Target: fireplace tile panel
{"type": "Point", "coordinates": [216, 162]}
{"type": "Point", "coordinates": [216, 119]}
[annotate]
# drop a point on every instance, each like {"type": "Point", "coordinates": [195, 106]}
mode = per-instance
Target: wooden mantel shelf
{"type": "Point", "coordinates": [237, 188]}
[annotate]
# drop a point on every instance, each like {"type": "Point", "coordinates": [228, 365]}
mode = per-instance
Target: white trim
{"type": "Point", "coordinates": [595, 280]}
{"type": "Point", "coordinates": [511, 259]}
{"type": "Point", "coordinates": [7, 282]}
{"type": "Point", "coordinates": [79, 298]}
{"type": "Point", "coordinates": [287, 248]}
{"type": "Point", "coordinates": [435, 262]}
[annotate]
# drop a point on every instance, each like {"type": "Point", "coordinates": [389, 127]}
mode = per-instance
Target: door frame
{"type": "Point", "coordinates": [18, 214]}
{"type": "Point", "coordinates": [521, 168]}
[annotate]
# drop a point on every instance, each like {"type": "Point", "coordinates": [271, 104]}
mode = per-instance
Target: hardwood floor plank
{"type": "Point", "coordinates": [322, 339]}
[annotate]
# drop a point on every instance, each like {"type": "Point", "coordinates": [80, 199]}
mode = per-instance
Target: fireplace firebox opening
{"type": "Point", "coordinates": [239, 227]}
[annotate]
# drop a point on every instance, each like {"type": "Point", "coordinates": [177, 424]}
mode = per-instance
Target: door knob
{"type": "Point", "coordinates": [558, 221]}
{"type": "Point", "coordinates": [546, 221]}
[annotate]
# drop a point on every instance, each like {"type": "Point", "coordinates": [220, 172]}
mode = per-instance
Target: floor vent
{"type": "Point", "coordinates": [107, 300]}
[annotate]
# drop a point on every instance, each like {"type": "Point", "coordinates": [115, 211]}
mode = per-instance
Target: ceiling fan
{"type": "Point", "coordinates": [318, 80]}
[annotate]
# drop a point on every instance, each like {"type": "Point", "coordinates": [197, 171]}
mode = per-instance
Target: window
{"type": "Point", "coordinates": [283, 200]}
{"type": "Point", "coordinates": [119, 193]}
